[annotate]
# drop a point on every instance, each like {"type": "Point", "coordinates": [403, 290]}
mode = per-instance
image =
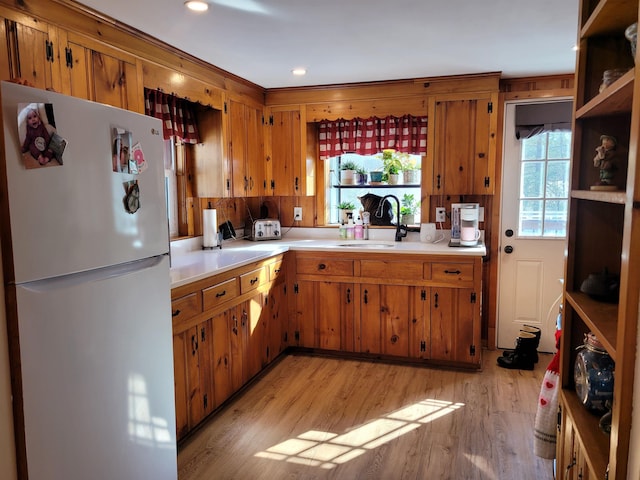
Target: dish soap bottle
{"type": "Point", "coordinates": [358, 229]}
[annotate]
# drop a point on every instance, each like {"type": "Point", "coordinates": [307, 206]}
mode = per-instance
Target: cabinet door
{"type": "Point", "coordinates": [246, 149]}
{"type": "Point", "coordinates": [254, 335]}
{"type": "Point", "coordinates": [464, 160]}
{"type": "Point", "coordinates": [285, 152]}
{"type": "Point", "coordinates": [180, 347]}
{"type": "Point", "coordinates": [327, 304]}
{"type": "Point", "coordinates": [454, 329]}
{"type": "Point", "coordinates": [395, 301]}
{"type": "Point", "coordinates": [277, 307]}
{"type": "Point", "coordinates": [200, 375]}
{"type": "Point", "coordinates": [237, 328]}
{"type": "Point", "coordinates": [31, 52]}
{"type": "Point", "coordinates": [369, 334]}
{"type": "Point", "coordinates": [221, 358]}
{"type": "Point", "coordinates": [304, 327]}
{"type": "Point", "coordinates": [97, 72]}
{"type": "Point", "coordinates": [419, 325]}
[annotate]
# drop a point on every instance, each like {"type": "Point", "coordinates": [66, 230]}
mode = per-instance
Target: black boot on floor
{"type": "Point", "coordinates": [523, 357]}
{"type": "Point", "coordinates": [529, 329]}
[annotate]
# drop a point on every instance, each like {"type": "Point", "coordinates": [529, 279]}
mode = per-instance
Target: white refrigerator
{"type": "Point", "coordinates": [85, 253]}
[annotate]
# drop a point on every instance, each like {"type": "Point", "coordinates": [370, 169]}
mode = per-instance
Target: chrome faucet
{"type": "Point", "coordinates": [401, 230]}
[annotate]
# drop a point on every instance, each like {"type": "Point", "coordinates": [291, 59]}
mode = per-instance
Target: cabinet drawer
{"type": "Point", "coordinates": [321, 266]}
{"type": "Point", "coordinates": [450, 272]}
{"type": "Point", "coordinates": [275, 270]}
{"type": "Point", "coordinates": [220, 293]}
{"type": "Point", "coordinates": [253, 279]}
{"type": "Point", "coordinates": [186, 307]}
{"type": "Point", "coordinates": [392, 269]}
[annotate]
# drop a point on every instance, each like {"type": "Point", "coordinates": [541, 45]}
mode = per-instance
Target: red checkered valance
{"type": "Point", "coordinates": [368, 136]}
{"type": "Point", "coordinates": [177, 115]}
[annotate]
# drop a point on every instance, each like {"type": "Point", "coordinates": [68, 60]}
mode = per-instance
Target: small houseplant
{"type": "Point", "coordinates": [347, 172]}
{"type": "Point", "coordinates": [410, 169]}
{"type": "Point", "coordinates": [408, 209]}
{"type": "Point", "coordinates": [391, 166]}
{"type": "Point", "coordinates": [344, 209]}
{"type": "Point", "coordinates": [361, 176]}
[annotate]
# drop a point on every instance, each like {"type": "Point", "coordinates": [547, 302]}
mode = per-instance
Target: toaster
{"type": "Point", "coordinates": [266, 229]}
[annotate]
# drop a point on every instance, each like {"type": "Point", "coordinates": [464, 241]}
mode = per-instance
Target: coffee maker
{"type": "Point", "coordinates": [464, 224]}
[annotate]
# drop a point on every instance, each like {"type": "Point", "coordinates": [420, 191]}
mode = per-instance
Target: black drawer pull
{"type": "Point", "coordinates": [253, 280]}
{"type": "Point", "coordinates": [221, 294]}
{"type": "Point", "coordinates": [175, 313]}
{"type": "Point", "coordinates": [321, 266]}
{"type": "Point", "coordinates": [453, 272]}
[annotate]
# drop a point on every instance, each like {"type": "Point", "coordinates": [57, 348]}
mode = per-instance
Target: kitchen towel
{"type": "Point", "coordinates": [209, 228]}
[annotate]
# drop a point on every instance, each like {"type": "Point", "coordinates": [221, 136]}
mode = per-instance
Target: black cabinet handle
{"type": "Point", "coordinates": [452, 272]}
{"type": "Point", "coordinates": [175, 313]}
{"type": "Point", "coordinates": [221, 294]}
{"type": "Point", "coordinates": [321, 266]}
{"type": "Point", "coordinates": [253, 280]}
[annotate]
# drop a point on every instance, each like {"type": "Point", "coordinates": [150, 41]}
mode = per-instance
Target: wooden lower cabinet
{"type": "Point", "coordinates": [324, 315]}
{"type": "Point", "coordinates": [572, 460]}
{"type": "Point", "coordinates": [454, 325]}
{"type": "Point", "coordinates": [193, 375]}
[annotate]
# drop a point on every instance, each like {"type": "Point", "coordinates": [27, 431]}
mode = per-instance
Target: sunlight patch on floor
{"type": "Point", "coordinates": [328, 450]}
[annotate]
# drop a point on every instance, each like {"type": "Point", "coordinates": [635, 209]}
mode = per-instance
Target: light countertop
{"type": "Point", "coordinates": [190, 263]}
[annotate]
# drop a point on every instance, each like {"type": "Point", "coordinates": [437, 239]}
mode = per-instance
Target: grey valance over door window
{"type": "Point", "coordinates": [536, 118]}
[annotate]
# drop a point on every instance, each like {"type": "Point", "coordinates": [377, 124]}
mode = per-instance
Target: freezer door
{"type": "Point", "coordinates": [97, 374]}
{"type": "Point", "coordinates": [72, 217]}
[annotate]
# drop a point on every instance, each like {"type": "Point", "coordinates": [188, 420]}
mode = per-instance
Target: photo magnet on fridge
{"type": "Point", "coordinates": [121, 152]}
{"type": "Point", "coordinates": [40, 142]}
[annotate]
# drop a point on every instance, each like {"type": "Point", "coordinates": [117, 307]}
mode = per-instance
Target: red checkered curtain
{"type": "Point", "coordinates": [368, 136]}
{"type": "Point", "coordinates": [177, 115]}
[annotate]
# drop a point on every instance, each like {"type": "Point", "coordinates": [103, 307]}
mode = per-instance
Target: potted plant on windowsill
{"type": "Point", "coordinates": [360, 176]}
{"type": "Point", "coordinates": [408, 209]}
{"type": "Point", "coordinates": [410, 170]}
{"type": "Point", "coordinates": [391, 166]}
{"type": "Point", "coordinates": [345, 208]}
{"type": "Point", "coordinates": [347, 172]}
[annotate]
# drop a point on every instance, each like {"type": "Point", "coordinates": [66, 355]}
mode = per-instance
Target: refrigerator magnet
{"type": "Point", "coordinates": [132, 198]}
{"type": "Point", "coordinates": [41, 145]}
{"type": "Point", "coordinates": [139, 163]}
{"type": "Point", "coordinates": [120, 155]}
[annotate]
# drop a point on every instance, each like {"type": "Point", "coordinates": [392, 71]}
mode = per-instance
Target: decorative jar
{"type": "Point", "coordinates": [593, 374]}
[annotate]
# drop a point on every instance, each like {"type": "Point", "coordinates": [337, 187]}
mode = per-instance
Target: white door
{"type": "Point", "coordinates": [535, 186]}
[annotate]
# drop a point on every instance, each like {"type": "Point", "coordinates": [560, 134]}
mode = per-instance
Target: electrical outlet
{"type": "Point", "coordinates": [297, 214]}
{"type": "Point", "coordinates": [441, 214]}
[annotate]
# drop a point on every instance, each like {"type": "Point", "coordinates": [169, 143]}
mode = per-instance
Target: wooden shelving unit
{"type": "Point", "coordinates": [603, 233]}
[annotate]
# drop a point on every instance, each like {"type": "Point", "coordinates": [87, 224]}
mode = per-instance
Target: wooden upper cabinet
{"type": "Point", "coordinates": [289, 171]}
{"type": "Point", "coordinates": [465, 146]}
{"type": "Point", "coordinates": [212, 174]}
{"type": "Point", "coordinates": [100, 73]}
{"type": "Point", "coordinates": [29, 50]}
{"type": "Point", "coordinates": [246, 148]}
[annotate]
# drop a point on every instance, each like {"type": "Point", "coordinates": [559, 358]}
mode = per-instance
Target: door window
{"type": "Point", "coordinates": [544, 185]}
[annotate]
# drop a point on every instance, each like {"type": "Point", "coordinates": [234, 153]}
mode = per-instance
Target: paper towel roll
{"type": "Point", "coordinates": [209, 228]}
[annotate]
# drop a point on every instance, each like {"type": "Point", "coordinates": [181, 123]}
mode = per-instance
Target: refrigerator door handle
{"type": "Point", "coordinates": [96, 275]}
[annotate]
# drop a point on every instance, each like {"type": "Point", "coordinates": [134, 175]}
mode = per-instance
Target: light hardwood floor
{"type": "Point", "coordinates": [325, 418]}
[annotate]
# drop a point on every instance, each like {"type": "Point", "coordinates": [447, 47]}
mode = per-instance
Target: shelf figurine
{"type": "Point", "coordinates": [605, 160]}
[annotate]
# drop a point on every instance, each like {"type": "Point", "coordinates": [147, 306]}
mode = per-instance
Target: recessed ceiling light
{"type": "Point", "coordinates": [299, 71]}
{"type": "Point", "coordinates": [197, 5]}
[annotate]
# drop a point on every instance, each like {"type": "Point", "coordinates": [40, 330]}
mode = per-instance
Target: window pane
{"type": "Point", "coordinates": [534, 148]}
{"type": "Point", "coordinates": [559, 145]}
{"type": "Point", "coordinates": [555, 218]}
{"type": "Point", "coordinates": [557, 179]}
{"type": "Point", "coordinates": [532, 182]}
{"type": "Point", "coordinates": [530, 217]}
